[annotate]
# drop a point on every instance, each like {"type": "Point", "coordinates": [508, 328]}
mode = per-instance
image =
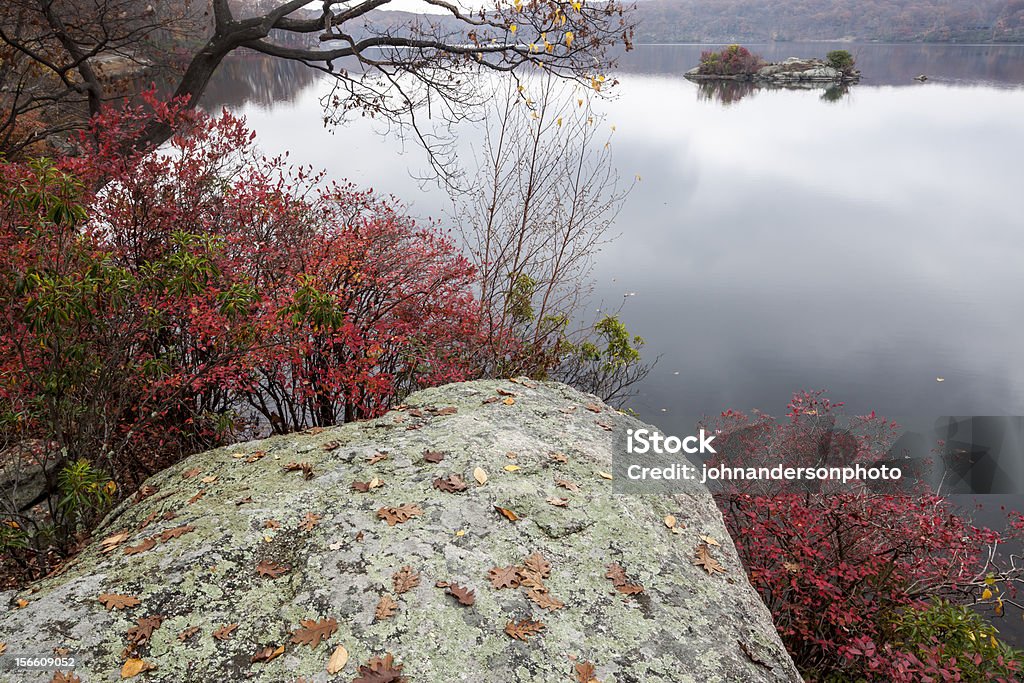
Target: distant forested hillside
{"type": "Point", "coordinates": [663, 21]}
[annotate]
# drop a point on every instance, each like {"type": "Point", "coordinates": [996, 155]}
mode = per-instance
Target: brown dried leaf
{"type": "Point", "coordinates": [225, 631]}
{"type": "Point", "coordinates": [256, 456]}
{"type": "Point", "coordinates": [309, 521]}
{"type": "Point", "coordinates": [267, 654]}
{"type": "Point", "coordinates": [381, 670]}
{"type": "Point", "coordinates": [593, 407]}
{"type": "Point", "coordinates": [524, 630]}
{"type": "Point", "coordinates": [367, 486]}
{"type": "Point", "coordinates": [480, 475]}
{"type": "Point", "coordinates": [464, 595]}
{"type": "Point", "coordinates": [271, 524]}
{"type": "Point", "coordinates": [617, 574]}
{"type": "Point", "coordinates": [188, 633]}
{"type": "Point", "coordinates": [141, 633]}
{"type": "Point", "coordinates": [545, 600]}
{"type": "Point", "coordinates": [452, 484]}
{"type": "Point", "coordinates": [505, 392]}
{"type": "Point", "coordinates": [61, 677]}
{"type": "Point", "coordinates": [386, 607]}
{"type": "Point", "coordinates": [532, 580]}
{"type": "Point", "coordinates": [110, 542]}
{"type": "Point", "coordinates": [377, 458]}
{"type": "Point", "coordinates": [399, 515]}
{"type": "Point", "coordinates": [175, 532]}
{"type": "Point", "coordinates": [114, 601]}
{"type": "Point", "coordinates": [537, 564]}
{"type": "Point", "coordinates": [559, 457]}
{"type": "Point", "coordinates": [558, 502]}
{"type": "Point", "coordinates": [312, 632]}
{"type": "Point", "coordinates": [507, 514]}
{"type": "Point", "coordinates": [448, 410]}
{"type": "Point", "coordinates": [405, 579]}
{"type": "Point", "coordinates": [630, 588]}
{"type": "Point", "coordinates": [189, 474]}
{"type": "Point", "coordinates": [433, 456]}
{"type": "Point", "coordinates": [504, 577]}
{"type": "Point", "coordinates": [491, 399]}
{"type": "Point", "coordinates": [305, 467]}
{"type": "Point", "coordinates": [509, 401]}
{"type": "Point", "coordinates": [140, 548]}
{"type": "Point", "coordinates": [195, 498]}
{"type": "Point", "coordinates": [243, 501]}
{"type": "Point", "coordinates": [705, 561]}
{"type": "Point", "coordinates": [585, 673]}
{"type": "Point", "coordinates": [331, 446]}
{"type": "Point", "coordinates": [271, 569]}
{"type": "Point", "coordinates": [567, 485]}
{"type": "Point", "coordinates": [753, 656]}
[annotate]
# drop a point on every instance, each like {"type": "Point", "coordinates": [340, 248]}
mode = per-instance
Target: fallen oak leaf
{"type": "Point", "coordinates": [141, 633]}
{"type": "Point", "coordinates": [256, 456]}
{"type": "Point", "coordinates": [705, 561]}
{"type": "Point", "coordinates": [433, 457]}
{"type": "Point", "coordinates": [558, 502]}
{"type": "Point", "coordinates": [376, 458]}
{"type": "Point", "coordinates": [310, 521]}
{"type": "Point", "coordinates": [224, 632]}
{"type": "Point", "coordinates": [386, 607]}
{"type": "Point", "coordinates": [405, 580]}
{"type": "Point", "coordinates": [452, 484]}
{"type": "Point", "coordinates": [110, 542]}
{"type": "Point", "coordinates": [504, 577]}
{"type": "Point", "coordinates": [537, 564]}
{"type": "Point", "coordinates": [331, 446]}
{"type": "Point", "coordinates": [312, 631]}
{"type": "Point", "coordinates": [567, 485]}
{"type": "Point", "coordinates": [399, 515]}
{"type": "Point", "coordinates": [447, 410]}
{"type": "Point", "coordinates": [114, 601]}
{"type": "Point", "coordinates": [61, 677]}
{"type": "Point", "coordinates": [271, 569]}
{"type": "Point", "coordinates": [593, 407]}
{"type": "Point", "coordinates": [505, 392]}
{"type": "Point", "coordinates": [630, 588]}
{"type": "Point", "coordinates": [381, 670]}
{"type": "Point", "coordinates": [559, 457]}
{"type": "Point", "coordinates": [464, 595]}
{"type": "Point", "coordinates": [195, 498]}
{"type": "Point", "coordinates": [188, 474]}
{"type": "Point", "coordinates": [545, 600]}
{"type": "Point", "coordinates": [585, 673]}
{"type": "Point", "coordinates": [176, 532]}
{"type": "Point", "coordinates": [188, 633]}
{"type": "Point", "coordinates": [141, 547]}
{"type": "Point", "coordinates": [524, 630]}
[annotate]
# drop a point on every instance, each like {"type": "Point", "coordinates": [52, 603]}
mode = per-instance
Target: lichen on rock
{"type": "Point", "coordinates": [238, 538]}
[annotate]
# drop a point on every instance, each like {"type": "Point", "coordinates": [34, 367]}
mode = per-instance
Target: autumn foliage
{"type": "Point", "coordinates": [843, 571]}
{"type": "Point", "coordinates": [156, 305]}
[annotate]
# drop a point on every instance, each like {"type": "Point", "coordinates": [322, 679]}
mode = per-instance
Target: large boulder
{"type": "Point", "coordinates": [272, 536]}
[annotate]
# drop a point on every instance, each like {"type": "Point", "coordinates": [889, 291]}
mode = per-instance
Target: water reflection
{"type": "Point", "coordinates": [256, 79]}
{"type": "Point", "coordinates": [727, 93]}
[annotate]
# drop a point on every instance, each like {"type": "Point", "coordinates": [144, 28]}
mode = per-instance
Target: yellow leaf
{"type": "Point", "coordinates": [513, 28]}
{"type": "Point", "coordinates": [21, 603]}
{"type": "Point", "coordinates": [604, 475]}
{"type": "Point", "coordinates": [986, 594]}
{"type": "Point", "coordinates": [480, 476]}
{"type": "Point", "coordinates": [559, 122]}
{"type": "Point", "coordinates": [569, 38]}
{"type": "Point", "coordinates": [576, 5]}
{"type": "Point", "coordinates": [670, 521]}
{"type": "Point", "coordinates": [338, 660]}
{"type": "Point", "coordinates": [511, 468]}
{"type": "Point", "coordinates": [460, 533]}
{"type": "Point", "coordinates": [990, 580]}
{"type": "Point", "coordinates": [511, 401]}
{"type": "Point", "coordinates": [133, 667]}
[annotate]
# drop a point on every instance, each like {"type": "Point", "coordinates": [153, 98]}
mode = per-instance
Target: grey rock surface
{"type": "Point", "coordinates": [215, 517]}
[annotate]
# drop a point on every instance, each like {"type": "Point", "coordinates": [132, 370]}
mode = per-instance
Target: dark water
{"type": "Point", "coordinates": [866, 242]}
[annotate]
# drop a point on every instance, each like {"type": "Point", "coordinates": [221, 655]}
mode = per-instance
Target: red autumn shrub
{"type": "Point", "coordinates": [841, 569]}
{"type": "Point", "coordinates": [155, 305]}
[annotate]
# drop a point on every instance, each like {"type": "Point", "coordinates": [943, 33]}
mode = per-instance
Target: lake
{"type": "Point", "coordinates": [867, 242]}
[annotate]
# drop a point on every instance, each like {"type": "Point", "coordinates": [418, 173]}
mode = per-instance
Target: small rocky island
{"type": "Point", "coordinates": [737, 63]}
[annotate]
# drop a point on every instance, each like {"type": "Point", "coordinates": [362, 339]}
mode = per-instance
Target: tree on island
{"type": "Point", "coordinates": [52, 53]}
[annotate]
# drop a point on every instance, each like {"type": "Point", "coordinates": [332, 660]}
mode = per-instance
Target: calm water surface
{"type": "Point", "coordinates": [866, 242]}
